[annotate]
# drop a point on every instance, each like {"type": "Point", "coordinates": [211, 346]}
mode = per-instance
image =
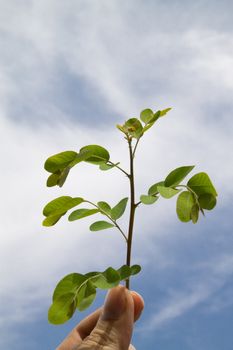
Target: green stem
{"type": "Point", "coordinates": [109, 217]}
{"type": "Point", "coordinates": [132, 210]}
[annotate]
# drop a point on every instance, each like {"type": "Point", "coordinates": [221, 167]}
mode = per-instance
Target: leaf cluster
{"type": "Point", "coordinates": [199, 193]}
{"type": "Point", "coordinates": [77, 291]}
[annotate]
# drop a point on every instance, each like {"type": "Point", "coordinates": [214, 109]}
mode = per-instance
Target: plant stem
{"type": "Point", "coordinates": [132, 209]}
{"type": "Point", "coordinates": [118, 167]}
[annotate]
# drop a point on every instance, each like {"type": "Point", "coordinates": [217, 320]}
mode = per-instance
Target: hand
{"type": "Point", "coordinates": [110, 327]}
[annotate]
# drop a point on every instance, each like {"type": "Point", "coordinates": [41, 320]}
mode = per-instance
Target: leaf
{"type": "Point", "coordinates": [134, 127]}
{"type": "Point", "coordinates": [147, 199]}
{"type": "Point", "coordinates": [86, 296]}
{"type": "Point", "coordinates": [61, 204]}
{"type": "Point", "coordinates": [207, 201]}
{"type": "Point", "coordinates": [51, 220]}
{"type": "Point", "coordinates": [124, 271]}
{"type": "Point", "coordinates": [167, 192]}
{"type": "Point", "coordinates": [62, 309]}
{"type": "Point", "coordinates": [135, 269]}
{"type": "Point", "coordinates": [185, 202]}
{"type": "Point", "coordinates": [98, 154]}
{"type": "Point", "coordinates": [59, 161]}
{"type": "Point", "coordinates": [104, 207]}
{"type": "Point", "coordinates": [107, 279]}
{"type": "Point", "coordinates": [146, 115]}
{"type": "Point", "coordinates": [69, 284]}
{"type": "Point", "coordinates": [82, 213]}
{"type": "Point", "coordinates": [105, 166]}
{"type": "Point", "coordinates": [101, 225]}
{"type": "Point", "coordinates": [164, 112]}
{"type": "Point", "coordinates": [201, 184]}
{"type": "Point", "coordinates": [177, 175]}
{"type": "Point", "coordinates": [154, 188]}
{"type": "Point", "coordinates": [194, 213]}
{"type": "Point", "coordinates": [119, 209]}
{"type": "Point", "coordinates": [121, 128]}
{"type": "Point", "coordinates": [53, 180]}
{"type": "Point", "coordinates": [63, 176]}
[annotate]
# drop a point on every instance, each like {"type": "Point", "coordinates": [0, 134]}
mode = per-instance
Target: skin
{"type": "Point", "coordinates": [109, 327]}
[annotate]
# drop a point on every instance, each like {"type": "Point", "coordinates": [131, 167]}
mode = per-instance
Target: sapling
{"type": "Point", "coordinates": [76, 290]}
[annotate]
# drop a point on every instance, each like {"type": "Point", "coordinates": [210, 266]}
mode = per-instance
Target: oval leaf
{"type": "Point", "coordinates": [177, 175]}
{"type": "Point", "coordinates": [185, 202]}
{"type": "Point", "coordinates": [82, 213]}
{"type": "Point", "coordinates": [146, 115]}
{"type": "Point", "coordinates": [68, 284]}
{"type": "Point", "coordinates": [207, 201]}
{"type": "Point", "coordinates": [104, 207]}
{"type": "Point", "coordinates": [59, 161]}
{"type": "Point", "coordinates": [167, 192]}
{"type": "Point", "coordinates": [134, 127]}
{"type": "Point", "coordinates": [201, 184]}
{"type": "Point", "coordinates": [135, 269]}
{"type": "Point", "coordinates": [86, 295]}
{"type": "Point", "coordinates": [98, 154]}
{"type": "Point", "coordinates": [62, 309]}
{"type": "Point", "coordinates": [154, 188]}
{"type": "Point", "coordinates": [119, 209]}
{"type": "Point", "coordinates": [61, 204]}
{"type": "Point", "coordinates": [100, 225]}
{"type": "Point", "coordinates": [51, 220]}
{"type": "Point", "coordinates": [195, 213]}
{"type": "Point", "coordinates": [147, 199]}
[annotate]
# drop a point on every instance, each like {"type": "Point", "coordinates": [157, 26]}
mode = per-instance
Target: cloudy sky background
{"type": "Point", "coordinates": [69, 72]}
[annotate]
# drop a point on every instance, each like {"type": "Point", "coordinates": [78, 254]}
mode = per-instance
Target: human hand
{"type": "Point", "coordinates": [109, 327]}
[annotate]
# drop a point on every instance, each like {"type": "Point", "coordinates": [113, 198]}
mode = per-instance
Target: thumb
{"type": "Point", "coordinates": [114, 328]}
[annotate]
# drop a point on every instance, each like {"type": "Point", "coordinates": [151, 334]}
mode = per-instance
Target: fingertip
{"type": "Point", "coordinates": [138, 304]}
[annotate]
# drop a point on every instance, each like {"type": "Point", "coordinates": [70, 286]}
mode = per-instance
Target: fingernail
{"type": "Point", "coordinates": [115, 303]}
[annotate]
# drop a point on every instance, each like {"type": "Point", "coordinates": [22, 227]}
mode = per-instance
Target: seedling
{"type": "Point", "coordinates": [78, 291]}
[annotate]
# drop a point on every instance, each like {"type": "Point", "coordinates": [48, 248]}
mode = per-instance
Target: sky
{"type": "Point", "coordinates": [70, 71]}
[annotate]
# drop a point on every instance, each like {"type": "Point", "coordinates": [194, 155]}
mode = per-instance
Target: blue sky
{"type": "Point", "coordinates": [69, 72]}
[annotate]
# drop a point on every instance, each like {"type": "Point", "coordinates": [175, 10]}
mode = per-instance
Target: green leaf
{"type": "Point", "coordinates": [68, 284]}
{"type": "Point", "coordinates": [121, 128]}
{"type": "Point", "coordinates": [185, 202]}
{"type": "Point", "coordinates": [112, 276]}
{"type": "Point", "coordinates": [147, 199]}
{"type": "Point", "coordinates": [135, 269]}
{"type": "Point", "coordinates": [107, 279]}
{"type": "Point", "coordinates": [134, 127]}
{"type": "Point", "coordinates": [177, 175]}
{"type": "Point", "coordinates": [105, 166]}
{"type": "Point", "coordinates": [124, 271]}
{"type": "Point", "coordinates": [98, 154]}
{"type": "Point", "coordinates": [164, 112]}
{"type": "Point", "coordinates": [53, 179]}
{"type": "Point", "coordinates": [194, 213]}
{"type": "Point", "coordinates": [51, 220]}
{"type": "Point", "coordinates": [101, 225]}
{"type": "Point", "coordinates": [146, 115]}
{"type": "Point", "coordinates": [104, 207]}
{"type": "Point", "coordinates": [201, 184]}
{"type": "Point", "coordinates": [207, 201]}
{"type": "Point", "coordinates": [59, 161]}
{"type": "Point", "coordinates": [62, 309]}
{"type": "Point", "coordinates": [167, 192]}
{"type": "Point", "coordinates": [119, 209]}
{"type": "Point", "coordinates": [63, 176]}
{"type": "Point", "coordinates": [82, 213]}
{"type": "Point", "coordinates": [61, 204]}
{"type": "Point", "coordinates": [153, 190]}
{"type": "Point", "coordinates": [86, 296]}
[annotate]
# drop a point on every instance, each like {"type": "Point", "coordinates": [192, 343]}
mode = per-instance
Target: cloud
{"type": "Point", "coordinates": [119, 60]}
{"type": "Point", "coordinates": [209, 278]}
